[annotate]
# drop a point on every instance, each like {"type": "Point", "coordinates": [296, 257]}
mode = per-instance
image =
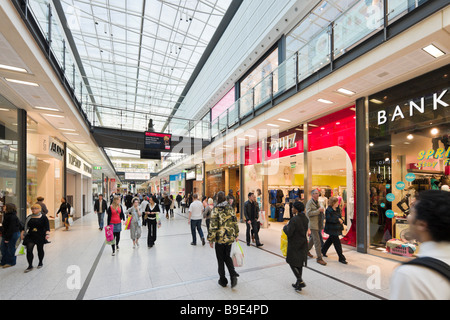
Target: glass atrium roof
{"type": "Point", "coordinates": [139, 55]}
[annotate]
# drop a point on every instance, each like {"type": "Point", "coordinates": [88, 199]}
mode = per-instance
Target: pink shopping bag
{"type": "Point", "coordinates": [109, 232]}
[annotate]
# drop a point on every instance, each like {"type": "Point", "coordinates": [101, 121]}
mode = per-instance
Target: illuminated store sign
{"type": "Point", "coordinates": [285, 143]}
{"type": "Point", "coordinates": [414, 107]}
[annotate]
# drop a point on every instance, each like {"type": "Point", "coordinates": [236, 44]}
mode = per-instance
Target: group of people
{"type": "Point", "coordinates": [429, 221]}
{"type": "Point", "coordinates": [425, 278]}
{"type": "Point", "coordinates": [35, 232]}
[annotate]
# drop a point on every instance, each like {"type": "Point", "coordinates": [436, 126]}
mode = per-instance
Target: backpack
{"type": "Point", "coordinates": [433, 264]}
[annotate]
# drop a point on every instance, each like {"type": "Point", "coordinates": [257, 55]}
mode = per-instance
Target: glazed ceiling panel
{"type": "Point", "coordinates": [139, 55]}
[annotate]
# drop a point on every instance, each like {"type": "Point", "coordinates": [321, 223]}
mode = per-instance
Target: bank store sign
{"type": "Point", "coordinates": [414, 107]}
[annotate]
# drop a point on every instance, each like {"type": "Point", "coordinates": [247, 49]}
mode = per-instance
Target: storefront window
{"type": "Point", "coordinates": [8, 155]}
{"type": "Point", "coordinates": [332, 154]}
{"type": "Point", "coordinates": [45, 178]}
{"type": "Point", "coordinates": [409, 153]}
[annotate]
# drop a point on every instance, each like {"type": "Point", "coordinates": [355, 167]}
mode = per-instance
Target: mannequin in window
{"type": "Point", "coordinates": [323, 200]}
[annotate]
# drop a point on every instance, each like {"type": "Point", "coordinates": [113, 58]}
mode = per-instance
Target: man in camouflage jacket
{"type": "Point", "coordinates": [224, 230]}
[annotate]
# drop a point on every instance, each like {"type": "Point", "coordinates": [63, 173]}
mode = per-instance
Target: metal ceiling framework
{"type": "Point", "coordinates": [140, 55]}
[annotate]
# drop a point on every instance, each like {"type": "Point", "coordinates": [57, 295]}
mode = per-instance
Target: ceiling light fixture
{"type": "Point", "coordinates": [11, 68]}
{"type": "Point", "coordinates": [433, 51]}
{"type": "Point", "coordinates": [346, 92]}
{"type": "Point", "coordinates": [376, 101]}
{"type": "Point", "coordinates": [325, 101]}
{"type": "Point", "coordinates": [64, 129]}
{"type": "Point", "coordinates": [47, 109]}
{"type": "Point", "coordinates": [3, 109]}
{"type": "Point", "coordinates": [53, 115]}
{"type": "Point", "coordinates": [273, 125]}
{"type": "Point", "coordinates": [32, 84]}
{"type": "Point", "coordinates": [284, 120]}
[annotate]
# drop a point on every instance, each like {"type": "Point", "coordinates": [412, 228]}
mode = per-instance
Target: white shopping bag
{"type": "Point", "coordinates": [237, 255]}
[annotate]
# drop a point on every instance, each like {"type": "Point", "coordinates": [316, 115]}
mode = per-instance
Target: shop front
{"type": "Point", "coordinates": [280, 172]}
{"type": "Point", "coordinates": [45, 172]}
{"type": "Point", "coordinates": [177, 184]}
{"type": "Point", "coordinates": [9, 155]}
{"type": "Point", "coordinates": [223, 174]}
{"type": "Point", "coordinates": [409, 127]}
{"type": "Point", "coordinates": [78, 184]}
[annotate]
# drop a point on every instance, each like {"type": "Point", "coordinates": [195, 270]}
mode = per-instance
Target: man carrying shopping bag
{"type": "Point", "coordinates": [224, 231]}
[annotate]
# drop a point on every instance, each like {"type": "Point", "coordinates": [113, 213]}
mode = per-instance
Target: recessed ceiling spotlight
{"type": "Point", "coordinates": [433, 51]}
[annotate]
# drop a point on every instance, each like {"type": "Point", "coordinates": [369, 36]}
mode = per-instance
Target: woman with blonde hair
{"type": "Point", "coordinates": [333, 227]}
{"type": "Point", "coordinates": [115, 216]}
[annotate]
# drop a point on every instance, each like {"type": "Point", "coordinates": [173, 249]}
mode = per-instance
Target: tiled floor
{"type": "Point", "coordinates": [78, 265]}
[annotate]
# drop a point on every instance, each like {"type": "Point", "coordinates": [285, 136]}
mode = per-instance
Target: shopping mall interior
{"type": "Point", "coordinates": [176, 98]}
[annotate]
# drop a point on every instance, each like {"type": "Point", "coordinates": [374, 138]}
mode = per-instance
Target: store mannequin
{"type": "Point", "coordinates": [338, 195]}
{"type": "Point", "coordinates": [323, 201]}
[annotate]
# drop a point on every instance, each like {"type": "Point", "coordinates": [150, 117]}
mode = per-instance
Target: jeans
{"type": "Point", "coordinates": [101, 219]}
{"type": "Point", "coordinates": [196, 224]}
{"type": "Point", "coordinates": [9, 250]}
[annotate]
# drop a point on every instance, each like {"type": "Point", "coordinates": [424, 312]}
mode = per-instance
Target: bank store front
{"type": "Point", "coordinates": [409, 127]}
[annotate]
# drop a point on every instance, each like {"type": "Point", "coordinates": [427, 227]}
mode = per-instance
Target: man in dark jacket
{"type": "Point", "coordinates": [251, 214]}
{"type": "Point", "coordinates": [100, 207]}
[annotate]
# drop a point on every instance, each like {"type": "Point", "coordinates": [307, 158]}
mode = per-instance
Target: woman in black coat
{"type": "Point", "coordinates": [150, 218]}
{"type": "Point", "coordinates": [297, 247]}
{"type": "Point", "coordinates": [333, 227]}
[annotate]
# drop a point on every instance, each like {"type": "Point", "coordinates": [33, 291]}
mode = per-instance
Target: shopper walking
{"type": "Point", "coordinates": [11, 233]}
{"type": "Point", "coordinates": [116, 215]}
{"type": "Point", "coordinates": [179, 198]}
{"type": "Point", "coordinates": [224, 230]}
{"type": "Point", "coordinates": [100, 207]}
{"type": "Point", "coordinates": [315, 214]}
{"type": "Point", "coordinates": [151, 215]}
{"type": "Point", "coordinates": [333, 227]}
{"type": "Point", "coordinates": [136, 222]}
{"type": "Point", "coordinates": [207, 213]}
{"type": "Point", "coordinates": [297, 247]}
{"type": "Point", "coordinates": [166, 203]}
{"type": "Point", "coordinates": [428, 277]}
{"type": "Point", "coordinates": [172, 206]}
{"type": "Point", "coordinates": [40, 201]}
{"type": "Point", "coordinates": [36, 232]}
{"type": "Point", "coordinates": [251, 214]}
{"type": "Point", "coordinates": [195, 220]}
{"type": "Point", "coordinates": [64, 209]}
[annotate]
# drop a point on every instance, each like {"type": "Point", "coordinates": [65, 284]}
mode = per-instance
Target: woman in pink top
{"type": "Point", "coordinates": [115, 216]}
